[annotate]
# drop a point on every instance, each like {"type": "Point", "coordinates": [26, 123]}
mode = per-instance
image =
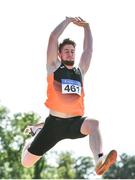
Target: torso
{"type": "Point", "coordinates": [60, 114]}
{"type": "Point", "coordinates": [65, 92]}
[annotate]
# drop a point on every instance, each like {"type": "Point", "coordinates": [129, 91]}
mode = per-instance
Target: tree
{"type": "Point", "coordinates": [11, 142]}
{"type": "Point", "coordinates": [84, 167]}
{"type": "Point", "coordinates": [69, 167]}
{"type": "Point", "coordinates": [65, 166]}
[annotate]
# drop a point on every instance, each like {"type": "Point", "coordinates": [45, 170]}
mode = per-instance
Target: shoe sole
{"type": "Point", "coordinates": [109, 161]}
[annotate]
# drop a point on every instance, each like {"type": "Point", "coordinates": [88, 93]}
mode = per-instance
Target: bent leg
{"type": "Point", "coordinates": [91, 127]}
{"type": "Point", "coordinates": [43, 141]}
{"type": "Point", "coordinates": [28, 159]}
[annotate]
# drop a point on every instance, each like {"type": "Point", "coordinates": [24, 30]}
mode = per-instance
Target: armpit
{"type": "Point", "coordinates": [53, 67]}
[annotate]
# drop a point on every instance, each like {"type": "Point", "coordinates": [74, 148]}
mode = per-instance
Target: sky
{"type": "Point", "coordinates": [25, 27]}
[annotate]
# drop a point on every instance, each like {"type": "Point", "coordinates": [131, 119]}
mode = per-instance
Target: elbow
{"type": "Point", "coordinates": [53, 36]}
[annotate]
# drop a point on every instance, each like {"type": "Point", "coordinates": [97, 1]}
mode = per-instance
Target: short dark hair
{"type": "Point", "coordinates": [66, 41]}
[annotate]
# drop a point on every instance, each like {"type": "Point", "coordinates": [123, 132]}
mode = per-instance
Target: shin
{"type": "Point", "coordinates": [91, 127]}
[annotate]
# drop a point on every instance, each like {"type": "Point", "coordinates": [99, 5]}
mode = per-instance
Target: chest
{"type": "Point", "coordinates": [70, 80]}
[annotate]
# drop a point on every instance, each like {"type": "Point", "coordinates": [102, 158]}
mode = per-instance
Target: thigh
{"type": "Point", "coordinates": [45, 139]}
{"type": "Point", "coordinates": [75, 128]}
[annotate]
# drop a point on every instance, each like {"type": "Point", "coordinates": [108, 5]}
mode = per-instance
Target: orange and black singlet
{"type": "Point", "coordinates": [65, 91]}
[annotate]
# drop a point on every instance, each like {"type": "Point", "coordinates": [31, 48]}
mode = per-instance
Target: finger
{"type": "Point", "coordinates": [81, 19]}
{"type": "Point", "coordinates": [77, 19]}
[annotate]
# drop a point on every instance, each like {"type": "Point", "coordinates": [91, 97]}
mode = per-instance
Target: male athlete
{"type": "Point", "coordinates": [65, 101]}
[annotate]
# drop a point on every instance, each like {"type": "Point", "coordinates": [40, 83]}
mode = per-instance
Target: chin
{"type": "Point", "coordinates": [68, 63]}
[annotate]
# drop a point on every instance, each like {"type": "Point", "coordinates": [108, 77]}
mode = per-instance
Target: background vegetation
{"type": "Point", "coordinates": [66, 165]}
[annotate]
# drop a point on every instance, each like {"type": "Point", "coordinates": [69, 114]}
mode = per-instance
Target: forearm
{"type": "Point", "coordinates": [60, 28]}
{"type": "Point", "coordinates": [87, 49]}
{"type": "Point", "coordinates": [88, 40]}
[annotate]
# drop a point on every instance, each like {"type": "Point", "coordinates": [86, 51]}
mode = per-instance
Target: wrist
{"type": "Point", "coordinates": [86, 25]}
{"type": "Point", "coordinates": [69, 19]}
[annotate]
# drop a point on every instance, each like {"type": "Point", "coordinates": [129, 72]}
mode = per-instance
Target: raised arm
{"type": "Point", "coordinates": [87, 45]}
{"type": "Point", "coordinates": [52, 50]}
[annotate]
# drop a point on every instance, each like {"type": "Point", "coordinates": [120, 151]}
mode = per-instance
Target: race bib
{"type": "Point", "coordinates": [71, 87]}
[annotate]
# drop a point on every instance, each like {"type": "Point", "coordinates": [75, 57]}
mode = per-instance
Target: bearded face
{"type": "Point", "coordinates": [67, 55]}
{"type": "Point", "coordinates": [67, 63]}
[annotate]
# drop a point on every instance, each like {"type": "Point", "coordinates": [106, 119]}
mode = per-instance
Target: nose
{"type": "Point", "coordinates": [70, 54]}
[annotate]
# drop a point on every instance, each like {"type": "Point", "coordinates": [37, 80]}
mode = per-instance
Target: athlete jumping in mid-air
{"type": "Point", "coordinates": [65, 100]}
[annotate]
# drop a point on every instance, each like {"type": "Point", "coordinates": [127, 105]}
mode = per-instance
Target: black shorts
{"type": "Point", "coordinates": [54, 130]}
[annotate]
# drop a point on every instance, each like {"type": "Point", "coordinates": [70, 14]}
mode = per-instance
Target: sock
{"type": "Point", "coordinates": [100, 155]}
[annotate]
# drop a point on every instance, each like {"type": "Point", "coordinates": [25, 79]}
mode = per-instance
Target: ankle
{"type": "Point", "coordinates": [100, 155]}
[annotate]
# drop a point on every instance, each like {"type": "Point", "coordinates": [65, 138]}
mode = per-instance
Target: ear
{"type": "Point", "coordinates": [59, 55]}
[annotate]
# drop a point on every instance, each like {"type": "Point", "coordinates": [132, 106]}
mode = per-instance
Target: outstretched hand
{"type": "Point", "coordinates": [80, 22]}
{"type": "Point", "coordinates": [77, 21]}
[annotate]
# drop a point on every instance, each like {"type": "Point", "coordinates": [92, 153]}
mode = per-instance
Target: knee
{"type": "Point", "coordinates": [89, 126]}
{"type": "Point", "coordinates": [28, 159]}
{"type": "Point", "coordinates": [93, 124]}
{"type": "Point", "coordinates": [26, 163]}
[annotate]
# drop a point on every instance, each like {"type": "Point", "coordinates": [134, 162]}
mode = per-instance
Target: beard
{"type": "Point", "coordinates": [67, 63]}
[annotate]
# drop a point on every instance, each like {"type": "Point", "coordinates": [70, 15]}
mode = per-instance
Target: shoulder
{"type": "Point", "coordinates": [80, 71]}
